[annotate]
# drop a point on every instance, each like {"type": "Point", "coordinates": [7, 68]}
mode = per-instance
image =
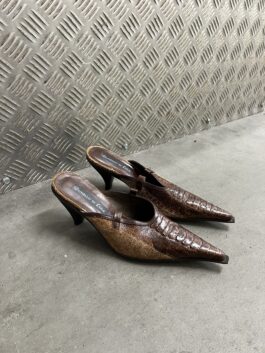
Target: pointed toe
{"type": "Point", "coordinates": [209, 212]}
{"type": "Point", "coordinates": [220, 258]}
{"type": "Point", "coordinates": [220, 215]}
{"type": "Point", "coordinates": [209, 252]}
{"type": "Point", "coordinates": [231, 220]}
{"type": "Point", "coordinates": [225, 260]}
{"type": "Point", "coordinates": [180, 243]}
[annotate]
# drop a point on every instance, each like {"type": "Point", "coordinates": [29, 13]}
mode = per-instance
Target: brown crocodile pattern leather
{"type": "Point", "coordinates": [178, 203]}
{"type": "Point", "coordinates": [158, 238]}
{"type": "Point", "coordinates": [178, 239]}
{"type": "Point", "coordinates": [172, 200]}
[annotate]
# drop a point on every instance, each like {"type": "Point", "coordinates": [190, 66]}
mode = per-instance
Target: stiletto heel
{"type": "Point", "coordinates": [77, 217]}
{"type": "Point", "coordinates": [107, 177]}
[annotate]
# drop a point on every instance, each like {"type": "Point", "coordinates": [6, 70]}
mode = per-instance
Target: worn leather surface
{"type": "Point", "coordinates": [150, 236]}
{"type": "Point", "coordinates": [172, 200]}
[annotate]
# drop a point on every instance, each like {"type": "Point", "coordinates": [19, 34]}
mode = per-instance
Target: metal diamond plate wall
{"type": "Point", "coordinates": [126, 74]}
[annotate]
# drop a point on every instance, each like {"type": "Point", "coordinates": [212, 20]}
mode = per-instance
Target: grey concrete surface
{"type": "Point", "coordinates": [63, 290]}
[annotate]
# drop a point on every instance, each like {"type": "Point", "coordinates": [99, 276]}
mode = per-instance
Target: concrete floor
{"type": "Point", "coordinates": [63, 290]}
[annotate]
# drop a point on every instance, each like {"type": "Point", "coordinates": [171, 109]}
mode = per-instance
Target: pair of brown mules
{"type": "Point", "coordinates": [139, 224]}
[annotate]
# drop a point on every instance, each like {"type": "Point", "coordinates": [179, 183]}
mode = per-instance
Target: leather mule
{"type": "Point", "coordinates": [172, 200]}
{"type": "Point", "coordinates": [131, 225]}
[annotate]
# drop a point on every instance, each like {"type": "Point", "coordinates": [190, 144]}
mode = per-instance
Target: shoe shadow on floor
{"type": "Point", "coordinates": [57, 223]}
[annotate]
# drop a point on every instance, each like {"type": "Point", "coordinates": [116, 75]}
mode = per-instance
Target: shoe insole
{"type": "Point", "coordinates": [82, 193]}
{"type": "Point", "coordinates": [110, 160]}
{"type": "Point", "coordinates": [119, 165]}
{"type": "Point", "coordinates": [86, 197]}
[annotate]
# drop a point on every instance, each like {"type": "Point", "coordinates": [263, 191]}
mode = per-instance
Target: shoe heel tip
{"type": "Point", "coordinates": [78, 222]}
